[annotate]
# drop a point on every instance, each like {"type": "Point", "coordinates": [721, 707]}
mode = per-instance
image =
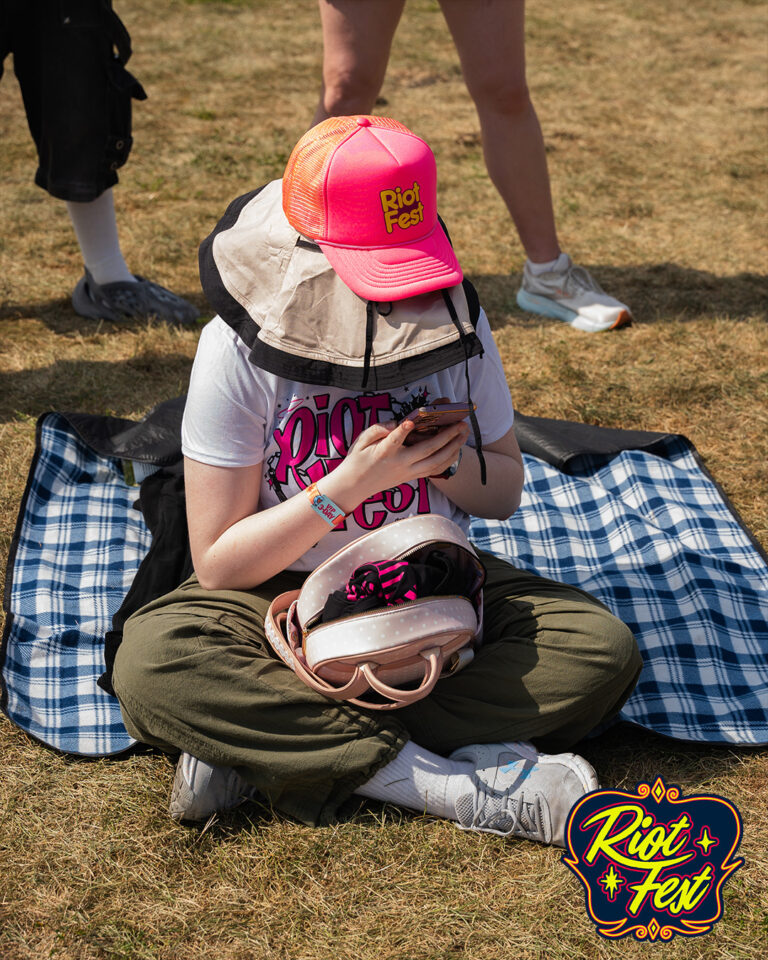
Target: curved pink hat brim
{"type": "Point", "coordinates": [396, 272]}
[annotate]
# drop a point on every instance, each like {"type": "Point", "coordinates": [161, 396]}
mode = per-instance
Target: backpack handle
{"type": "Point", "coordinates": [401, 698]}
{"type": "Point", "coordinates": [356, 684]}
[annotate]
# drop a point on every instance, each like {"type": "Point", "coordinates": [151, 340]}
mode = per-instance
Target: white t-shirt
{"type": "Point", "coordinates": [237, 415]}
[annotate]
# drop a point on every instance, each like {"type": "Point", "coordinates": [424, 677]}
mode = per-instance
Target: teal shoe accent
{"type": "Point", "coordinates": [546, 307]}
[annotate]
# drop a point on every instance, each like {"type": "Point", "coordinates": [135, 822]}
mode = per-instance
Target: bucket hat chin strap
{"type": "Point", "coordinates": [467, 353]}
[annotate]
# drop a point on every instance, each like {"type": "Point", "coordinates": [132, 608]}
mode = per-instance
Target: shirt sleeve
{"type": "Point", "coordinates": [227, 403]}
{"type": "Point", "coordinates": [488, 384]}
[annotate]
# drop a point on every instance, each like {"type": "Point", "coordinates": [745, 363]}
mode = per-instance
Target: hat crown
{"type": "Point", "coordinates": [365, 189]}
{"type": "Point", "coordinates": [361, 181]}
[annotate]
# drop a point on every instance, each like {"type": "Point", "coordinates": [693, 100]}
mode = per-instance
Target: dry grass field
{"type": "Point", "coordinates": [656, 119]}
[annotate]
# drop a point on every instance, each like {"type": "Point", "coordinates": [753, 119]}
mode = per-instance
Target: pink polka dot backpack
{"type": "Point", "coordinates": [384, 618]}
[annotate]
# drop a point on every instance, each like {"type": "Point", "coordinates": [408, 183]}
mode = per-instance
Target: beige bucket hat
{"type": "Point", "coordinates": [301, 321]}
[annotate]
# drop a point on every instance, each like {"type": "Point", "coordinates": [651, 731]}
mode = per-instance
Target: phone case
{"type": "Point", "coordinates": [429, 420]}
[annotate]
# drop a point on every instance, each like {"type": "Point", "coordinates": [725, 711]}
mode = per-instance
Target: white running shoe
{"type": "Point", "coordinates": [200, 789]}
{"type": "Point", "coordinates": [574, 296]}
{"type": "Point", "coordinates": [522, 793]}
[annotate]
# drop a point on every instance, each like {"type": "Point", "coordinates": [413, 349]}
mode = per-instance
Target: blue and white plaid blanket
{"type": "Point", "coordinates": [649, 534]}
{"type": "Point", "coordinates": [79, 544]}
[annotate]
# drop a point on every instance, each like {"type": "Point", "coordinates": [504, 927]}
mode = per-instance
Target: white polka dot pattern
{"type": "Point", "coordinates": [378, 650]}
{"type": "Point", "coordinates": [386, 543]}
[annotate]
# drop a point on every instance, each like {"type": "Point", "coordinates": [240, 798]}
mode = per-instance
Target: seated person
{"type": "Point", "coordinates": [342, 308]}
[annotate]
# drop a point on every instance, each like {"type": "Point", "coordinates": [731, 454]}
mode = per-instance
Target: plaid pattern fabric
{"type": "Point", "coordinates": [79, 546]}
{"type": "Point", "coordinates": [654, 539]}
{"type": "Point", "coordinates": [650, 535]}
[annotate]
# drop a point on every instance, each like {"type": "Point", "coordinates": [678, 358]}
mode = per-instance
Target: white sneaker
{"type": "Point", "coordinates": [520, 792]}
{"type": "Point", "coordinates": [572, 295]}
{"type": "Point", "coordinates": [200, 789]}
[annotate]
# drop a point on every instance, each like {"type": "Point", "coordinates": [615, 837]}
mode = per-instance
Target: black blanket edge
{"type": "Point", "coordinates": [561, 443]}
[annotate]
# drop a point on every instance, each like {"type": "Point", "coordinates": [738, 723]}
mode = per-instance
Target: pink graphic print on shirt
{"type": "Point", "coordinates": [313, 437]}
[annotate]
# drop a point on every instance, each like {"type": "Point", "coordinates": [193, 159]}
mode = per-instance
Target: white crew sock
{"type": "Point", "coordinates": [96, 231]}
{"type": "Point", "coordinates": [421, 781]}
{"type": "Point", "coordinates": [558, 265]}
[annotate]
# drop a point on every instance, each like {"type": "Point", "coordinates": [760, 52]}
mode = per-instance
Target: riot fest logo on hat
{"type": "Point", "coordinates": [402, 208]}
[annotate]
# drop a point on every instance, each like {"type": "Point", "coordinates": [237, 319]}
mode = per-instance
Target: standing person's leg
{"type": "Point", "coordinates": [357, 38]}
{"type": "Point", "coordinates": [490, 40]}
{"type": "Point", "coordinates": [77, 96]}
{"type": "Point", "coordinates": [95, 226]}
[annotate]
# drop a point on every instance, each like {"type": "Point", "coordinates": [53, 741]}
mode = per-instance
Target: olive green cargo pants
{"type": "Point", "coordinates": [195, 673]}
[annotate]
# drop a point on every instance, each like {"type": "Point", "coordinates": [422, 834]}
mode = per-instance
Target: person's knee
{"type": "Point", "coordinates": [508, 97]}
{"type": "Point", "coordinates": [140, 674]}
{"type": "Point", "coordinates": [350, 90]}
{"type": "Point", "coordinates": [608, 651]}
{"type": "Point", "coordinates": [620, 648]}
{"type": "Point", "coordinates": [132, 675]}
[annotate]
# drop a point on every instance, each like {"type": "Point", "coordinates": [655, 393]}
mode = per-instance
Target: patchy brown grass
{"type": "Point", "coordinates": [655, 118]}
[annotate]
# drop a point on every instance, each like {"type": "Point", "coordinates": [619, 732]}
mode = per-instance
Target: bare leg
{"type": "Point", "coordinates": [490, 39]}
{"type": "Point", "coordinates": [357, 38]}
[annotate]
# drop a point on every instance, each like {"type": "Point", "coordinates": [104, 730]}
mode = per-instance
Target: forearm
{"type": "Point", "coordinates": [498, 498]}
{"type": "Point", "coordinates": [260, 546]}
{"type": "Point", "coordinates": [235, 545]}
{"type": "Point", "coordinates": [267, 542]}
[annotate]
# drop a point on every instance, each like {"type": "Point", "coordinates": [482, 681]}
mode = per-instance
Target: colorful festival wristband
{"type": "Point", "coordinates": [323, 505]}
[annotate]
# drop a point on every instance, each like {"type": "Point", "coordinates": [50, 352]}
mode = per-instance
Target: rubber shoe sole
{"type": "Point", "coordinates": [121, 302]}
{"type": "Point", "coordinates": [547, 307]}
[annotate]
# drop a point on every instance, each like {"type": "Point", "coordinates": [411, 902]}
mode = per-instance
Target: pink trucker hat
{"type": "Point", "coordinates": [365, 189]}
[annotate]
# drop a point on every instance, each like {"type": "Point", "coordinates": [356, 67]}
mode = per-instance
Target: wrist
{"type": "Point", "coordinates": [343, 493]}
{"type": "Point", "coordinates": [325, 507]}
{"type": "Point", "coordinates": [452, 470]}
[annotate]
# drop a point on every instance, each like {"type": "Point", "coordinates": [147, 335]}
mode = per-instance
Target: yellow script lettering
{"type": "Point", "coordinates": [675, 894]}
{"type": "Point", "coordinates": [393, 203]}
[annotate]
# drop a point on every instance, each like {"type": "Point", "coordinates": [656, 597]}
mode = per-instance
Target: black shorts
{"type": "Point", "coordinates": [69, 57]}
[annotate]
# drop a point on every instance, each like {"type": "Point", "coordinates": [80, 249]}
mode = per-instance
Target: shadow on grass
{"type": "Point", "coordinates": [626, 754]}
{"type": "Point", "coordinates": [623, 756]}
{"type": "Point", "coordinates": [121, 387]}
{"type": "Point", "coordinates": [656, 293]}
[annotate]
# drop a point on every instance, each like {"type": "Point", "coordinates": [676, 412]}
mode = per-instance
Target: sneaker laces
{"type": "Point", "coordinates": [578, 278]}
{"type": "Point", "coordinates": [501, 813]}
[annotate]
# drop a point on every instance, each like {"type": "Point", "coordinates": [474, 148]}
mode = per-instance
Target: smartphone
{"type": "Point", "coordinates": [430, 418]}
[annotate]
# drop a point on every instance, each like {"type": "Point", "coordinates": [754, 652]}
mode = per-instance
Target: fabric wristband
{"type": "Point", "coordinates": [323, 505]}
